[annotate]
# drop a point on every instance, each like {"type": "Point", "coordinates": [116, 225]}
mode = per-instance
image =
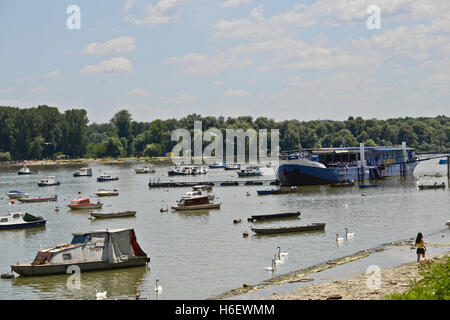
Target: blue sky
{"type": "Point", "coordinates": [280, 59]}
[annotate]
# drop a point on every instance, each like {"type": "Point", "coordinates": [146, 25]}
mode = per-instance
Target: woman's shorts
{"type": "Point", "coordinates": [420, 251]}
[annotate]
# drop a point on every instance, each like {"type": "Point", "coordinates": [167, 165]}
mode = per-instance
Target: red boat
{"type": "Point", "coordinates": [84, 203]}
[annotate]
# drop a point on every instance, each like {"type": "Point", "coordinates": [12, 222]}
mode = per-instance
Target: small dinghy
{"type": "Point", "coordinates": [283, 215]}
{"type": "Point", "coordinates": [19, 220]}
{"type": "Point", "coordinates": [40, 199]}
{"type": "Point", "coordinates": [106, 193]}
{"type": "Point", "coordinates": [432, 186]}
{"type": "Point", "coordinates": [83, 204]}
{"type": "Point", "coordinates": [120, 214]}
{"type": "Point", "coordinates": [14, 194]}
{"type": "Point", "coordinates": [282, 229]}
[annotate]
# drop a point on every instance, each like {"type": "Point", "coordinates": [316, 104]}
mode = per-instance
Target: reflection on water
{"type": "Point", "coordinates": [204, 249]}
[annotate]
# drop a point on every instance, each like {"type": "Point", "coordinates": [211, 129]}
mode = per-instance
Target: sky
{"type": "Point", "coordinates": [160, 59]}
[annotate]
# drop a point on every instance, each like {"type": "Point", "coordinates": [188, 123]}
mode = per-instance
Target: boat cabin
{"type": "Point", "coordinates": [194, 200]}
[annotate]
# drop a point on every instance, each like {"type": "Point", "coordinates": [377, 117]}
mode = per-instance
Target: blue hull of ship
{"type": "Point", "coordinates": [302, 175]}
{"type": "Point", "coordinates": [40, 223]}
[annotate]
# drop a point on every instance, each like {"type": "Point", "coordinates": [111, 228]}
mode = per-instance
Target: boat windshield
{"type": "Point", "coordinates": [80, 239]}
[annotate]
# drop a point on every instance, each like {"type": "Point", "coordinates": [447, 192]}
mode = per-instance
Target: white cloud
{"type": "Point", "coordinates": [236, 3]}
{"type": "Point", "coordinates": [39, 89]}
{"type": "Point", "coordinates": [164, 11]}
{"type": "Point", "coordinates": [118, 45]}
{"type": "Point", "coordinates": [128, 5]}
{"type": "Point", "coordinates": [138, 92]}
{"type": "Point", "coordinates": [237, 93]}
{"type": "Point", "coordinates": [55, 74]}
{"type": "Point", "coordinates": [111, 66]}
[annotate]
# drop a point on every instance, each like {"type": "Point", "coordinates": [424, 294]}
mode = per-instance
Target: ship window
{"type": "Point", "coordinates": [67, 256]}
{"type": "Point", "coordinates": [16, 216]}
{"type": "Point", "coordinates": [4, 220]}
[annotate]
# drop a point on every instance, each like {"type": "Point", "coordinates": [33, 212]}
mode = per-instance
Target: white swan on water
{"type": "Point", "coordinates": [339, 240]}
{"type": "Point", "coordinates": [278, 261]}
{"type": "Point", "coordinates": [100, 295]}
{"type": "Point", "coordinates": [272, 268]}
{"type": "Point", "coordinates": [158, 287]}
{"type": "Point", "coordinates": [282, 254]}
{"type": "Point", "coordinates": [349, 235]}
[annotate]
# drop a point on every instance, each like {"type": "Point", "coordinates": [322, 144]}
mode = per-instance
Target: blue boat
{"type": "Point", "coordinates": [323, 166]}
{"type": "Point", "coordinates": [49, 181]}
{"type": "Point", "coordinates": [443, 161]}
{"type": "Point", "coordinates": [19, 220]}
{"type": "Point", "coordinates": [368, 185]}
{"type": "Point", "coordinates": [217, 165]}
{"type": "Point", "coordinates": [229, 183]}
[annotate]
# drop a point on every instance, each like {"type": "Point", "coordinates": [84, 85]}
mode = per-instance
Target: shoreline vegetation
{"type": "Point", "coordinates": [44, 132]}
{"type": "Point", "coordinates": [395, 279]}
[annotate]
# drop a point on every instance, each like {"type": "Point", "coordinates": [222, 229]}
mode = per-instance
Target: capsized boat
{"type": "Point", "coordinates": [432, 186]}
{"type": "Point", "coordinates": [83, 204]}
{"type": "Point", "coordinates": [89, 251]}
{"type": "Point", "coordinates": [83, 172]}
{"type": "Point", "coordinates": [286, 229]}
{"type": "Point", "coordinates": [106, 193]}
{"type": "Point", "coordinates": [195, 203]}
{"type": "Point", "coordinates": [19, 220]}
{"type": "Point", "coordinates": [145, 169]}
{"type": "Point", "coordinates": [49, 181]}
{"type": "Point", "coordinates": [106, 177]}
{"type": "Point", "coordinates": [25, 170]}
{"type": "Point", "coordinates": [40, 199]}
{"type": "Point", "coordinates": [119, 214]}
{"type": "Point", "coordinates": [14, 194]}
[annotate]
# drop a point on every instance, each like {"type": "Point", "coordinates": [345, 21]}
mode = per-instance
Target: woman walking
{"type": "Point", "coordinates": [420, 246]}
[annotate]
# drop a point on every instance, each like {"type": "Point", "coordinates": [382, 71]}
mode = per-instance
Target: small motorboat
{"type": "Point", "coordinates": [250, 172]}
{"type": "Point", "coordinates": [233, 166]}
{"type": "Point", "coordinates": [199, 192]}
{"type": "Point", "coordinates": [40, 199]}
{"type": "Point", "coordinates": [282, 229]}
{"type": "Point", "coordinates": [195, 203]}
{"type": "Point", "coordinates": [83, 172]}
{"type": "Point", "coordinates": [217, 165]}
{"type": "Point", "coordinates": [25, 170]}
{"type": "Point", "coordinates": [120, 214]}
{"type": "Point", "coordinates": [272, 216]}
{"type": "Point", "coordinates": [19, 220]}
{"type": "Point", "coordinates": [106, 177]}
{"type": "Point", "coordinates": [432, 186]}
{"type": "Point", "coordinates": [83, 204]}
{"type": "Point", "coordinates": [369, 185]}
{"type": "Point", "coordinates": [145, 169]}
{"type": "Point", "coordinates": [106, 193]}
{"type": "Point", "coordinates": [90, 251]}
{"type": "Point", "coordinates": [14, 194]}
{"type": "Point", "coordinates": [49, 181]}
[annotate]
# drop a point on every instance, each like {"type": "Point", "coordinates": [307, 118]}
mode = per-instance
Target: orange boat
{"type": "Point", "coordinates": [84, 203]}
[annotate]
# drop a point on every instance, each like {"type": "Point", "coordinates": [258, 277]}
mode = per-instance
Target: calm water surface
{"type": "Point", "coordinates": [202, 254]}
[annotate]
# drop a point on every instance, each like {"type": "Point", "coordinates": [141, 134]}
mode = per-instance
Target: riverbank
{"type": "Point", "coordinates": [364, 286]}
{"type": "Point", "coordinates": [32, 163]}
{"type": "Point", "coordinates": [345, 276]}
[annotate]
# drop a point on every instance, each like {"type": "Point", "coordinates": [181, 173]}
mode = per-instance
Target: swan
{"type": "Point", "coordinates": [278, 261]}
{"type": "Point", "coordinates": [272, 268]}
{"type": "Point", "coordinates": [345, 205]}
{"type": "Point", "coordinates": [349, 235]}
{"type": "Point", "coordinates": [339, 240]}
{"type": "Point", "coordinates": [158, 287]}
{"type": "Point", "coordinates": [281, 254]}
{"type": "Point", "coordinates": [100, 295]}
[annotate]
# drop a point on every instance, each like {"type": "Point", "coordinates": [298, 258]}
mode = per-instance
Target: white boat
{"type": "Point", "coordinates": [251, 171]}
{"type": "Point", "coordinates": [25, 170]}
{"type": "Point", "coordinates": [145, 169]}
{"type": "Point", "coordinates": [106, 177]}
{"type": "Point", "coordinates": [49, 181]}
{"type": "Point", "coordinates": [199, 192]}
{"type": "Point", "coordinates": [195, 203]}
{"type": "Point", "coordinates": [106, 193]}
{"type": "Point", "coordinates": [83, 172]}
{"type": "Point", "coordinates": [19, 220]}
{"type": "Point", "coordinates": [14, 194]}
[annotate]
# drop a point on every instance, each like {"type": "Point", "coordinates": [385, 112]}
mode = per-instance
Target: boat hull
{"type": "Point", "coordinates": [197, 207]}
{"type": "Point", "coordinates": [31, 200]}
{"type": "Point", "coordinates": [48, 184]}
{"type": "Point", "coordinates": [274, 216]}
{"type": "Point", "coordinates": [32, 224]}
{"type": "Point", "coordinates": [85, 207]}
{"type": "Point", "coordinates": [54, 269]}
{"type": "Point", "coordinates": [106, 194]}
{"type": "Point", "coordinates": [304, 228]}
{"type": "Point", "coordinates": [114, 214]}
{"type": "Point", "coordinates": [105, 180]}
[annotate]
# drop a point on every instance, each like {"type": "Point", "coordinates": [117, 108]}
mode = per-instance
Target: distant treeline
{"type": "Point", "coordinates": [44, 132]}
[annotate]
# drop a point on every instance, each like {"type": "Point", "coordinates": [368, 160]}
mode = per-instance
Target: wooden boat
{"type": "Point", "coordinates": [106, 193]}
{"type": "Point", "coordinates": [113, 214]}
{"type": "Point", "coordinates": [19, 220]}
{"type": "Point", "coordinates": [49, 181]}
{"type": "Point", "coordinates": [89, 251]}
{"type": "Point", "coordinates": [369, 185]}
{"type": "Point", "coordinates": [14, 194]}
{"type": "Point", "coordinates": [83, 204]}
{"type": "Point", "coordinates": [301, 228]}
{"type": "Point", "coordinates": [342, 184]}
{"type": "Point", "coordinates": [106, 177]}
{"type": "Point", "coordinates": [261, 217]}
{"type": "Point", "coordinates": [83, 172]}
{"type": "Point", "coordinates": [25, 170]}
{"type": "Point", "coordinates": [195, 203]}
{"type": "Point", "coordinates": [40, 199]}
{"type": "Point", "coordinates": [277, 191]}
{"type": "Point", "coordinates": [432, 186]}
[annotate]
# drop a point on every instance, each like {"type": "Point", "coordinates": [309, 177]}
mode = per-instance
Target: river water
{"type": "Point", "coordinates": [200, 255]}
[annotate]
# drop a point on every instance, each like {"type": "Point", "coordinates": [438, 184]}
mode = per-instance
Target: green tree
{"type": "Point", "coordinates": [122, 121]}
